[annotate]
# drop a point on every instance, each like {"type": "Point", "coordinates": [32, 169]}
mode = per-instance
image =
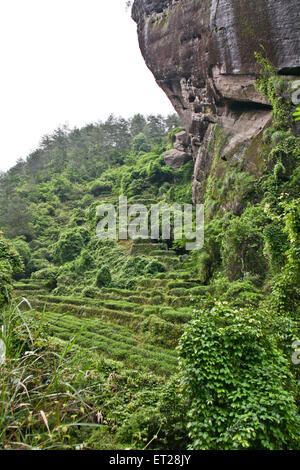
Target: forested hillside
{"type": "Point", "coordinates": [92, 360]}
{"type": "Point", "coordinates": [109, 313]}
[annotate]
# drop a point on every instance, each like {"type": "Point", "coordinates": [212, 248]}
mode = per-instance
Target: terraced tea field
{"type": "Point", "coordinates": [139, 327]}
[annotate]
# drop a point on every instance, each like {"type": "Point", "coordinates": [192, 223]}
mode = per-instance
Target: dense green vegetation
{"type": "Point", "coordinates": [242, 386]}
{"type": "Point", "coordinates": [107, 316]}
{"type": "Point", "coordinates": [10, 264]}
{"type": "Point", "coordinates": [95, 362]}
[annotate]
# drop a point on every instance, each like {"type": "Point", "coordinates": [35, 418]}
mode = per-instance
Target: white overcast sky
{"type": "Point", "coordinates": [68, 61]}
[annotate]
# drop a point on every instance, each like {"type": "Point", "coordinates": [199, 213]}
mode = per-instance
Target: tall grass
{"type": "Point", "coordinates": [45, 396]}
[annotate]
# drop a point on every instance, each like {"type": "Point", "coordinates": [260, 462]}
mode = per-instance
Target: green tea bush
{"type": "Point", "coordinates": [90, 292]}
{"type": "Point", "coordinates": [154, 267]}
{"type": "Point", "coordinates": [49, 275]}
{"type": "Point", "coordinates": [179, 291]}
{"type": "Point", "coordinates": [103, 277]}
{"type": "Point", "coordinates": [84, 261]}
{"type": "Point", "coordinates": [69, 246]}
{"type": "Point", "coordinates": [159, 331]}
{"type": "Point", "coordinates": [135, 266]}
{"type": "Point", "coordinates": [200, 290]}
{"type": "Point", "coordinates": [150, 310]}
{"type": "Point", "coordinates": [160, 421]}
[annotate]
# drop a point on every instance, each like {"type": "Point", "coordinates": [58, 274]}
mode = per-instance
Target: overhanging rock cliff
{"type": "Point", "coordinates": [201, 53]}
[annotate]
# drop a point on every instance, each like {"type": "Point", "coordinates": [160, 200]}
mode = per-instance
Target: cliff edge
{"type": "Point", "coordinates": [201, 53]}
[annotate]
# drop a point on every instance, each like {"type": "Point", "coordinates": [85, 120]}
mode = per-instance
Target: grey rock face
{"type": "Point", "coordinates": [181, 153]}
{"type": "Point", "coordinates": [241, 26]}
{"type": "Point", "coordinates": [176, 158]}
{"type": "Point", "coordinates": [201, 53]}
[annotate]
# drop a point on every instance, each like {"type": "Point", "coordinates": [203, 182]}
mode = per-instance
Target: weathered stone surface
{"type": "Point", "coordinates": [176, 158]}
{"type": "Point", "coordinates": [201, 53]}
{"type": "Point", "coordinates": [236, 87]}
{"type": "Point", "coordinates": [182, 141]}
{"type": "Point", "coordinates": [181, 153]}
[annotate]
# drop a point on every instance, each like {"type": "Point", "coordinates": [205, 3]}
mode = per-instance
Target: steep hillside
{"type": "Point", "coordinates": [232, 74]}
{"type": "Point", "coordinates": [96, 349]}
{"type": "Point", "coordinates": [117, 307]}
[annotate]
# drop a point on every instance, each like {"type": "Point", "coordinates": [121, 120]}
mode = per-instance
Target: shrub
{"type": "Point", "coordinates": [99, 187]}
{"type": "Point", "coordinates": [238, 382]}
{"type": "Point", "coordinates": [277, 136]}
{"type": "Point", "coordinates": [159, 331]}
{"type": "Point", "coordinates": [271, 86]}
{"type": "Point", "coordinates": [242, 244]}
{"type": "Point", "coordinates": [133, 182]}
{"type": "Point", "coordinates": [68, 246]}
{"type": "Point", "coordinates": [172, 136]}
{"type": "Point", "coordinates": [162, 425]}
{"type": "Point", "coordinates": [10, 263]}
{"type": "Point", "coordinates": [78, 217]}
{"type": "Point", "coordinates": [37, 263]}
{"type": "Point", "coordinates": [276, 244]}
{"type": "Point", "coordinates": [279, 171]}
{"type": "Point", "coordinates": [155, 267]}
{"type": "Point", "coordinates": [135, 266]}
{"type": "Point", "coordinates": [90, 292]}
{"type": "Point", "coordinates": [286, 291]}
{"type": "Point", "coordinates": [103, 277]}
{"type": "Point", "coordinates": [5, 282]}
{"type": "Point", "coordinates": [180, 245]}
{"type": "Point", "coordinates": [24, 251]}
{"type": "Point", "coordinates": [164, 188]}
{"type": "Point", "coordinates": [208, 260]}
{"type": "Point", "coordinates": [49, 274]}
{"type": "Point", "coordinates": [158, 174]}
{"type": "Point", "coordinates": [84, 261]}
